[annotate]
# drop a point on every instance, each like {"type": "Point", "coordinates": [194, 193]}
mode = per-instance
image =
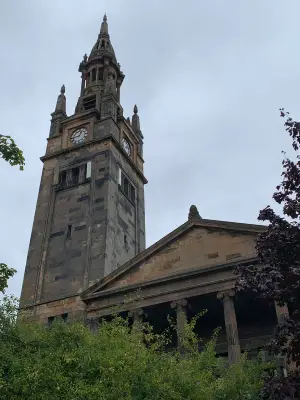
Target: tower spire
{"type": "Point", "coordinates": [103, 46]}
{"type": "Point", "coordinates": [101, 76]}
{"type": "Point", "coordinates": [59, 113]}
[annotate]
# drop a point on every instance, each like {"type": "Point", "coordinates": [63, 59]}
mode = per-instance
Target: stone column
{"type": "Point", "coordinates": [281, 312]}
{"type": "Point", "coordinates": [181, 320]}
{"type": "Point", "coordinates": [93, 324]}
{"type": "Point", "coordinates": [234, 349]}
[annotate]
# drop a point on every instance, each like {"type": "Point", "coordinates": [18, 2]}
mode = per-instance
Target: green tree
{"type": "Point", "coordinates": [5, 274]}
{"type": "Point", "coordinates": [10, 153]}
{"type": "Point", "coordinates": [68, 362]}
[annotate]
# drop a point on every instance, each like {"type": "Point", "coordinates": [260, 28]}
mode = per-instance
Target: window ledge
{"type": "Point", "coordinates": [59, 187]}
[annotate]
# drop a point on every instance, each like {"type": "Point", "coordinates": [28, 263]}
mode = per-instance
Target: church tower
{"type": "Point", "coordinates": [89, 217]}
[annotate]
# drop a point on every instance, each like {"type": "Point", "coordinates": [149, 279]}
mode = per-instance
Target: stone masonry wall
{"type": "Point", "coordinates": [73, 306]}
{"type": "Point", "coordinates": [199, 248]}
{"type": "Point", "coordinates": [124, 217]}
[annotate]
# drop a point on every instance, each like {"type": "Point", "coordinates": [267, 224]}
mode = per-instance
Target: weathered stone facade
{"type": "Point", "coordinates": [87, 255]}
{"type": "Point", "coordinates": [189, 270]}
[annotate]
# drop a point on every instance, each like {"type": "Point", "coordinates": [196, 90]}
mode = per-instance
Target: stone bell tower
{"type": "Point", "coordinates": [90, 217]}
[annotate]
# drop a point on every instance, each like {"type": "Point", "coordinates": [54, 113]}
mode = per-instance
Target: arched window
{"type": "Point", "coordinates": [88, 78]}
{"type": "Point", "coordinates": [100, 74]}
{"type": "Point", "coordinates": [94, 71]}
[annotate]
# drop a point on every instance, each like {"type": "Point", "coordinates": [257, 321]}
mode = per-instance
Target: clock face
{"type": "Point", "coordinates": [79, 135]}
{"type": "Point", "coordinates": [126, 146]}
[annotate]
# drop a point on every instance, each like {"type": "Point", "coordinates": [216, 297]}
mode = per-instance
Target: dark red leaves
{"type": "Point", "coordinates": [278, 276]}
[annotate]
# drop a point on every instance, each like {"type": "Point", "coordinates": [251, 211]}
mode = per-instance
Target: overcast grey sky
{"type": "Point", "coordinates": [208, 77]}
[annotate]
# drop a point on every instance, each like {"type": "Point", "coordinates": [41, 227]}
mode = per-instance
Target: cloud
{"type": "Point", "coordinates": [208, 78]}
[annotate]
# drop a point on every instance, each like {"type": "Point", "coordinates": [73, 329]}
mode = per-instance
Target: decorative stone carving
{"type": "Point", "coordinates": [193, 213]}
{"type": "Point", "coordinates": [179, 303]}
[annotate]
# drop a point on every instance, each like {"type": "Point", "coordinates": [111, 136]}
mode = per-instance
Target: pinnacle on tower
{"type": "Point", "coordinates": [135, 120]}
{"type": "Point", "coordinates": [61, 100]}
{"type": "Point", "coordinates": [104, 26]}
{"type": "Point", "coordinates": [59, 113]}
{"type": "Point", "coordinates": [193, 213]}
{"type": "Point", "coordinates": [135, 124]}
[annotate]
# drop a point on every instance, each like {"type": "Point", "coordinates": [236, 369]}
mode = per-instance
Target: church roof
{"type": "Point", "coordinates": [197, 221]}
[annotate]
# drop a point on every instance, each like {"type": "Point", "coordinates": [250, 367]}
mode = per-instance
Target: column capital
{"type": "Point", "coordinates": [92, 323]}
{"type": "Point", "coordinates": [225, 294]}
{"type": "Point", "coordinates": [179, 302]}
{"type": "Point", "coordinates": [91, 320]}
{"type": "Point", "coordinates": [138, 312]}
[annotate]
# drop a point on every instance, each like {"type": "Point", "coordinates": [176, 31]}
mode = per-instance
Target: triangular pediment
{"type": "Point", "coordinates": [193, 246]}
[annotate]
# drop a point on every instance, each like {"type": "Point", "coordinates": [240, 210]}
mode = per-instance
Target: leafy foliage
{"type": "Point", "coordinates": [68, 362]}
{"type": "Point", "coordinates": [5, 274]}
{"type": "Point", "coordinates": [278, 276]}
{"type": "Point", "coordinates": [10, 152]}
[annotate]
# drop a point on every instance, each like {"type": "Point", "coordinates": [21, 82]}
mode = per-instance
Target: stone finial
{"type": "Point", "coordinates": [128, 120]}
{"type": "Point", "coordinates": [194, 214]}
{"type": "Point", "coordinates": [83, 63]}
{"type": "Point", "coordinates": [135, 120]}
{"type": "Point", "coordinates": [104, 26]}
{"type": "Point", "coordinates": [61, 100]}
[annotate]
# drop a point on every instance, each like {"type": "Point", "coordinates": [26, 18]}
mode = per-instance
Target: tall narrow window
{"type": "Point", "coordinates": [100, 74]}
{"type": "Point", "coordinates": [75, 176]}
{"type": "Point", "coordinates": [126, 243]}
{"type": "Point", "coordinates": [62, 180]}
{"type": "Point", "coordinates": [69, 232]}
{"type": "Point", "coordinates": [132, 193]}
{"type": "Point", "coordinates": [88, 79]}
{"type": "Point", "coordinates": [119, 176]}
{"type": "Point", "coordinates": [94, 71]}
{"type": "Point", "coordinates": [69, 178]}
{"type": "Point", "coordinates": [82, 173]}
{"type": "Point", "coordinates": [126, 186]}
